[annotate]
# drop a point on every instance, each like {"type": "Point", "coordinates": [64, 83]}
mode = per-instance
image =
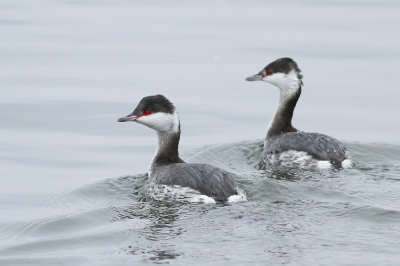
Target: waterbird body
{"type": "Point", "coordinates": [167, 168]}
{"type": "Point", "coordinates": [284, 145]}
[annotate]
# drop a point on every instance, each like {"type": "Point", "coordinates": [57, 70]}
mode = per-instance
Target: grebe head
{"type": "Point", "coordinates": [283, 73]}
{"type": "Point", "coordinates": [155, 112]}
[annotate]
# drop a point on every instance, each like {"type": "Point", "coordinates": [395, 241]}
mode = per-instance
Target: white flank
{"type": "Point", "coordinates": [186, 194]}
{"type": "Point", "coordinates": [202, 199]}
{"type": "Point", "coordinates": [297, 159]}
{"type": "Point", "coordinates": [177, 193]}
{"type": "Point", "coordinates": [324, 165]}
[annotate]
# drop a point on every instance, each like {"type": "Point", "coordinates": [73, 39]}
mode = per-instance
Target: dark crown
{"type": "Point", "coordinates": [156, 104]}
{"type": "Point", "coordinates": [283, 65]}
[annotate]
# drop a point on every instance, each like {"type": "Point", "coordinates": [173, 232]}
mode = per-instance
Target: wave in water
{"type": "Point", "coordinates": [115, 222]}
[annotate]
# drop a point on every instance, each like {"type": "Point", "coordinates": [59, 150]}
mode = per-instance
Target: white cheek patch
{"type": "Point", "coordinates": [278, 79]}
{"type": "Point", "coordinates": [161, 121]}
{"type": "Point", "coordinates": [288, 83]}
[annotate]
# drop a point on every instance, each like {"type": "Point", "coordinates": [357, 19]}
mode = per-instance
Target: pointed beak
{"type": "Point", "coordinates": [127, 118]}
{"type": "Point", "coordinates": [254, 78]}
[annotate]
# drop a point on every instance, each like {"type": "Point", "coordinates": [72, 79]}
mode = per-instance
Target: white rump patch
{"type": "Point", "coordinates": [347, 163]}
{"type": "Point", "coordinates": [241, 196]}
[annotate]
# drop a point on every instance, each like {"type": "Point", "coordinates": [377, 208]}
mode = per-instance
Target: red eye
{"type": "Point", "coordinates": [147, 112]}
{"type": "Point", "coordinates": [269, 72]}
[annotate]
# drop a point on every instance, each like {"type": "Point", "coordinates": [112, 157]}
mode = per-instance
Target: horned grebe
{"type": "Point", "coordinates": [167, 168]}
{"type": "Point", "coordinates": [284, 145]}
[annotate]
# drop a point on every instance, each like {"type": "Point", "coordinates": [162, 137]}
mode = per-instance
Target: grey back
{"type": "Point", "coordinates": [207, 179]}
{"type": "Point", "coordinates": [319, 146]}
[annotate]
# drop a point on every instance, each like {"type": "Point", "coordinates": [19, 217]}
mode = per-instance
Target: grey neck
{"type": "Point", "coordinates": [282, 121]}
{"type": "Point", "coordinates": [167, 150]}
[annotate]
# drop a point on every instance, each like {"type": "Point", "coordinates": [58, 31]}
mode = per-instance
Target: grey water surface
{"type": "Point", "coordinates": [72, 179]}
